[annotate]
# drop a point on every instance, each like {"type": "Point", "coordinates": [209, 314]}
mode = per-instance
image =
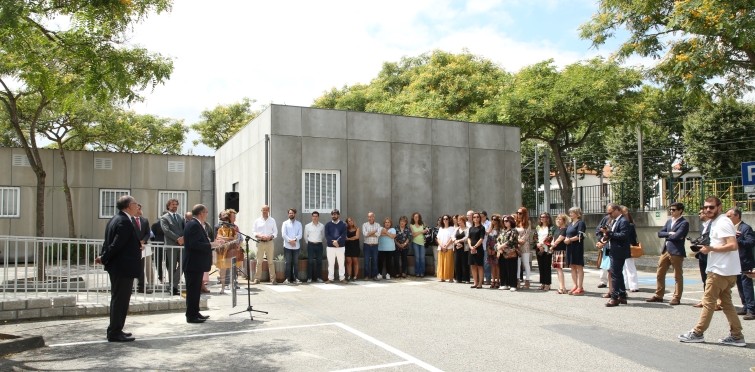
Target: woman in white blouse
{"type": "Point", "coordinates": [446, 250]}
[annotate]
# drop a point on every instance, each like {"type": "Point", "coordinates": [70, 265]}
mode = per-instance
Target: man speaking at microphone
{"type": "Point", "coordinates": [197, 261]}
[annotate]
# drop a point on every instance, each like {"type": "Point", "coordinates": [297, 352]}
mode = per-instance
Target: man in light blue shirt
{"type": "Point", "coordinates": [291, 232]}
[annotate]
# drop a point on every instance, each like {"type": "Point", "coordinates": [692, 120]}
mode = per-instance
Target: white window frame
{"type": "Point", "coordinates": [10, 202]}
{"type": "Point", "coordinates": [108, 211]}
{"type": "Point", "coordinates": [323, 179]}
{"type": "Point", "coordinates": [164, 195]}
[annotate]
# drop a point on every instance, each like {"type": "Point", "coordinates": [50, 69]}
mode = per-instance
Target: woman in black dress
{"type": "Point", "coordinates": [461, 249]}
{"type": "Point", "coordinates": [352, 250]}
{"type": "Point", "coordinates": [476, 250]}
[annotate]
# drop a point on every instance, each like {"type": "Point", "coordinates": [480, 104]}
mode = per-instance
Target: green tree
{"type": "Point", "coordinates": [718, 139]}
{"type": "Point", "coordinates": [218, 125]}
{"type": "Point", "coordinates": [565, 109]}
{"type": "Point", "coordinates": [44, 61]}
{"type": "Point", "coordinates": [436, 85]}
{"type": "Point", "coordinates": [127, 131]}
{"type": "Point", "coordinates": [694, 40]}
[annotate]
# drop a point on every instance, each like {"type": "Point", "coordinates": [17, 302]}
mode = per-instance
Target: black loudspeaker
{"type": "Point", "coordinates": [232, 200]}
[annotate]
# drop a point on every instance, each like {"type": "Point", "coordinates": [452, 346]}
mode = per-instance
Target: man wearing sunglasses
{"type": "Point", "coordinates": [673, 232]}
{"type": "Point", "coordinates": [723, 268]}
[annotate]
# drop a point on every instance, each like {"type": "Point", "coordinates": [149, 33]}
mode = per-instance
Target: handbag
{"type": "Point", "coordinates": [605, 264]}
{"type": "Point", "coordinates": [636, 251]}
{"type": "Point", "coordinates": [599, 261]}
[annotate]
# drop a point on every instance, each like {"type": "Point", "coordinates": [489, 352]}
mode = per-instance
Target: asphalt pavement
{"type": "Point", "coordinates": [402, 325]}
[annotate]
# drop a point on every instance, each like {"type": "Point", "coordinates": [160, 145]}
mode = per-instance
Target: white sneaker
{"type": "Point", "coordinates": [691, 336]}
{"type": "Point", "coordinates": [298, 281]}
{"type": "Point", "coordinates": [513, 289]}
{"type": "Point", "coordinates": [387, 276]}
{"type": "Point", "coordinates": [309, 280]}
{"type": "Point", "coordinates": [379, 277]}
{"type": "Point", "coordinates": [286, 282]}
{"type": "Point", "coordinates": [506, 288]}
{"type": "Point", "coordinates": [730, 340]}
{"type": "Point", "coordinates": [319, 280]}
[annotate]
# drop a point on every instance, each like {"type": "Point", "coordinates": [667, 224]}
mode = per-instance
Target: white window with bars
{"type": "Point", "coordinates": [10, 200]}
{"type": "Point", "coordinates": [165, 195]}
{"type": "Point", "coordinates": [108, 198]}
{"type": "Point", "coordinates": [320, 190]}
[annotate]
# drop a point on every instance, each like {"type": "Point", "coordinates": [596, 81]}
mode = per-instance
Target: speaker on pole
{"type": "Point", "coordinates": [232, 200]}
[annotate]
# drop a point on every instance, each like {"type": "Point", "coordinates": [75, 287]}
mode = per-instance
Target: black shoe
{"type": "Point", "coordinates": [195, 320]}
{"type": "Point", "coordinates": [176, 292]}
{"type": "Point", "coordinates": [205, 317]}
{"type": "Point", "coordinates": [120, 338]}
{"type": "Point", "coordinates": [127, 334]}
{"type": "Point", "coordinates": [143, 290]}
{"type": "Point", "coordinates": [613, 303]}
{"type": "Point", "coordinates": [602, 285]}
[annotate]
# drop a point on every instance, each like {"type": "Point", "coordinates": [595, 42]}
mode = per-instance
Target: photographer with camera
{"type": "Point", "coordinates": [722, 270]}
{"type": "Point", "coordinates": [673, 232]}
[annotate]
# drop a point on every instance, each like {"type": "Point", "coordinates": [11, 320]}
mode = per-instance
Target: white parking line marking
{"type": "Point", "coordinates": [201, 334]}
{"type": "Point", "coordinates": [283, 288]}
{"type": "Point", "coordinates": [327, 287]}
{"type": "Point", "coordinates": [415, 283]}
{"type": "Point", "coordinates": [387, 347]}
{"type": "Point", "coordinates": [389, 365]}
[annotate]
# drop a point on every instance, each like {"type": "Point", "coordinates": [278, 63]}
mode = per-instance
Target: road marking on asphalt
{"type": "Point", "coordinates": [283, 288]}
{"type": "Point", "coordinates": [414, 283]}
{"type": "Point", "coordinates": [327, 287]}
{"type": "Point", "coordinates": [386, 347]}
{"type": "Point", "coordinates": [257, 330]}
{"type": "Point", "coordinates": [389, 365]}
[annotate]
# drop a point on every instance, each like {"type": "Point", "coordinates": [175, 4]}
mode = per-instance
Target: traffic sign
{"type": "Point", "coordinates": [748, 173]}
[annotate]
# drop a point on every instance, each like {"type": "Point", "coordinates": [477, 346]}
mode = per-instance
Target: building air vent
{"type": "Point", "coordinates": [176, 166]}
{"type": "Point", "coordinates": [20, 160]}
{"type": "Point", "coordinates": [103, 163]}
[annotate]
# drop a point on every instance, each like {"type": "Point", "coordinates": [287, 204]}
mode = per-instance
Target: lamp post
{"type": "Point", "coordinates": [537, 187]}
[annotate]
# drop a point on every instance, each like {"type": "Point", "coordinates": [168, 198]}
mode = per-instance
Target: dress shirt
{"type": "Point", "coordinates": [266, 227]}
{"type": "Point", "coordinates": [314, 233]}
{"type": "Point", "coordinates": [291, 230]}
{"type": "Point", "coordinates": [367, 229]}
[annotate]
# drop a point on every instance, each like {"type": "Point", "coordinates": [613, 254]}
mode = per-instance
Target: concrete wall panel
{"type": "Point", "coordinates": [411, 179]}
{"type": "Point", "coordinates": [487, 180]}
{"type": "Point", "coordinates": [512, 188]}
{"type": "Point", "coordinates": [410, 129]}
{"type": "Point", "coordinates": [286, 176]}
{"type": "Point", "coordinates": [486, 136]}
{"type": "Point", "coordinates": [287, 120]}
{"type": "Point", "coordinates": [449, 133]}
{"type": "Point", "coordinates": [369, 185]}
{"type": "Point", "coordinates": [368, 127]}
{"type": "Point", "coordinates": [323, 123]}
{"type": "Point", "coordinates": [450, 180]}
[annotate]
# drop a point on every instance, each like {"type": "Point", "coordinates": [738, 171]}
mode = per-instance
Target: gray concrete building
{"type": "Point", "coordinates": [96, 180]}
{"type": "Point", "coordinates": [317, 159]}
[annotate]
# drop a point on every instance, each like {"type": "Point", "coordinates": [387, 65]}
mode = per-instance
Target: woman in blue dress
{"type": "Point", "coordinates": [575, 250]}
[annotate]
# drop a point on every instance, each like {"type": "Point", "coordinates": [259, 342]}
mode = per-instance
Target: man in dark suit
{"type": "Point", "coordinates": [673, 253]}
{"type": "Point", "coordinates": [618, 250]}
{"type": "Point", "coordinates": [158, 236]}
{"type": "Point", "coordinates": [121, 252]}
{"type": "Point", "coordinates": [143, 232]}
{"type": "Point", "coordinates": [173, 229]}
{"type": "Point", "coordinates": [745, 242]}
{"type": "Point", "coordinates": [197, 261]}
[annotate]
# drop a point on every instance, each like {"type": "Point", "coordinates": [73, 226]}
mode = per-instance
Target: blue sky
{"type": "Point", "coordinates": [290, 51]}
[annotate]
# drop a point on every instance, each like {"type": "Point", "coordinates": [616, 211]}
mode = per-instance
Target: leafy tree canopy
{"type": "Point", "coordinates": [127, 131]}
{"type": "Point", "coordinates": [701, 44]}
{"type": "Point", "coordinates": [218, 125]}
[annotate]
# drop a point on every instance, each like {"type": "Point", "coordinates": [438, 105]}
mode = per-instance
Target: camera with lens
{"type": "Point", "coordinates": [697, 243]}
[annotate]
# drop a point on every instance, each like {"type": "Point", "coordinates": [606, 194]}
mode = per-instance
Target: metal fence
{"type": "Point", "coordinates": [658, 195]}
{"type": "Point", "coordinates": [36, 266]}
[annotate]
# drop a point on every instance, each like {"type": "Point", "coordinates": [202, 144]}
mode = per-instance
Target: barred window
{"type": "Point", "coordinates": [164, 196]}
{"type": "Point", "coordinates": [108, 198]}
{"type": "Point", "coordinates": [320, 190]}
{"type": "Point", "coordinates": [10, 199]}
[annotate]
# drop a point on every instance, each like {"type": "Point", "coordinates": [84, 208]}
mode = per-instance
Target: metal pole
{"type": "Point", "coordinates": [574, 190]}
{"type": "Point", "coordinates": [639, 162]}
{"type": "Point", "coordinates": [546, 181]}
{"type": "Point", "coordinates": [537, 197]}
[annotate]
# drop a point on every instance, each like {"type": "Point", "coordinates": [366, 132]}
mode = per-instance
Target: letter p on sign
{"type": "Point", "coordinates": [748, 176]}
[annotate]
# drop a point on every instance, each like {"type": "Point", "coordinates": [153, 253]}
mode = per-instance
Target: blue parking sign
{"type": "Point", "coordinates": [748, 175]}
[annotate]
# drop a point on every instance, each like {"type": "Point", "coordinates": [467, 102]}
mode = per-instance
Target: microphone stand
{"type": "Point", "coordinates": [249, 307]}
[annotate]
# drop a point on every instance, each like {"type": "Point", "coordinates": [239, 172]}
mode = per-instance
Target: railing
{"type": "Point", "coordinates": [35, 266]}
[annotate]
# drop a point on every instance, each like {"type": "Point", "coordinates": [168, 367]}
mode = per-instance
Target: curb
{"type": "Point", "coordinates": [10, 344]}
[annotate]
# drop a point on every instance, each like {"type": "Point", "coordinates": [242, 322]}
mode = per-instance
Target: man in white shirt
{"type": "Point", "coordinates": [291, 233]}
{"type": "Point", "coordinates": [723, 268]}
{"type": "Point", "coordinates": [314, 233]}
{"type": "Point", "coordinates": [265, 231]}
{"type": "Point", "coordinates": [371, 233]}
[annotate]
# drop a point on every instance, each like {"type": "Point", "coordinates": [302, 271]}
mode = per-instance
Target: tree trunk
{"type": "Point", "coordinates": [67, 192]}
{"type": "Point", "coordinates": [564, 178]}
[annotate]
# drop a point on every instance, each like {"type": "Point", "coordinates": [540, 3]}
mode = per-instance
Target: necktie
{"type": "Point", "coordinates": [175, 218]}
{"type": "Point", "coordinates": [138, 223]}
